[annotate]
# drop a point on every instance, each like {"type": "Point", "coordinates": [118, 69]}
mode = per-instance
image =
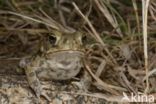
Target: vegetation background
{"type": "Point", "coordinates": [120, 37]}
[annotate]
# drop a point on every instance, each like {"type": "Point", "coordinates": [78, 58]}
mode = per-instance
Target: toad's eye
{"type": "Point", "coordinates": [84, 39]}
{"type": "Point", "coordinates": [52, 39]}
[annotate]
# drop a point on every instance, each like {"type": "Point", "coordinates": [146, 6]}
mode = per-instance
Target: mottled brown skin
{"type": "Point", "coordinates": [61, 62]}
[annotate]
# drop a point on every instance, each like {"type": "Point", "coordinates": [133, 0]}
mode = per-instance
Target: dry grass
{"type": "Point", "coordinates": [145, 5]}
{"type": "Point", "coordinates": [121, 46]}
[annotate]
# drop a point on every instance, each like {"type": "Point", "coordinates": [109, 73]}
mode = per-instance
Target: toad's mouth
{"type": "Point", "coordinates": [66, 55]}
{"type": "Point", "coordinates": [80, 52]}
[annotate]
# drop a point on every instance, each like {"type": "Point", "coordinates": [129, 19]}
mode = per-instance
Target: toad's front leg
{"type": "Point", "coordinates": [34, 82]}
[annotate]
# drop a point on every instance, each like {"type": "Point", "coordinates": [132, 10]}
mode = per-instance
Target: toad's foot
{"type": "Point", "coordinates": [85, 82]}
{"type": "Point", "coordinates": [35, 83]}
{"type": "Point", "coordinates": [83, 86]}
{"type": "Point", "coordinates": [39, 91]}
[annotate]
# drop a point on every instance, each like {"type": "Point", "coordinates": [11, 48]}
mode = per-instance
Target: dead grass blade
{"type": "Point", "coordinates": [150, 73]}
{"type": "Point", "coordinates": [136, 14]}
{"type": "Point", "coordinates": [145, 4]}
{"type": "Point", "coordinates": [50, 23]}
{"type": "Point", "coordinates": [110, 17]}
{"type": "Point", "coordinates": [35, 20]}
{"type": "Point", "coordinates": [152, 9]}
{"type": "Point", "coordinates": [109, 98]}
